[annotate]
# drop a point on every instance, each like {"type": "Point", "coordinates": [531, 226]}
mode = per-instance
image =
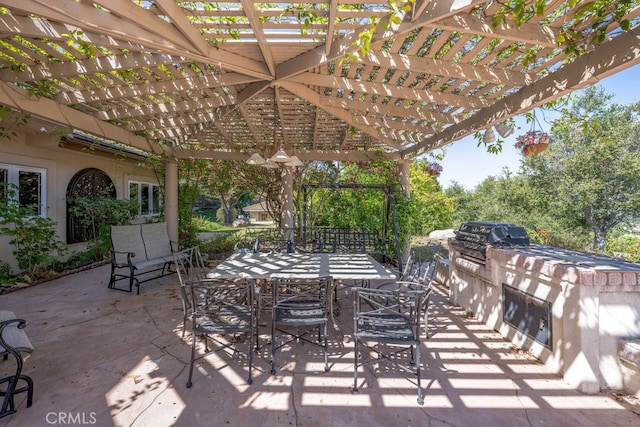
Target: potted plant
{"type": "Point", "coordinates": [533, 142]}
{"type": "Point", "coordinates": [433, 169]}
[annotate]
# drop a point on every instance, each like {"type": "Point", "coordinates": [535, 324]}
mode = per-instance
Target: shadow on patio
{"type": "Point", "coordinates": [104, 357]}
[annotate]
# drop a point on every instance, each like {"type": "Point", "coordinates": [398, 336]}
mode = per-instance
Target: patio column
{"type": "Point", "coordinates": [286, 222]}
{"type": "Point", "coordinates": [171, 198]}
{"type": "Point", "coordinates": [405, 185]}
{"type": "Point", "coordinates": [403, 173]}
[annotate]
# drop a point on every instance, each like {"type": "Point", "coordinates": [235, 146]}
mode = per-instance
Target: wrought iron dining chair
{"type": "Point", "coordinates": [14, 342]}
{"type": "Point", "coordinates": [422, 278]}
{"type": "Point", "coordinates": [224, 313]}
{"type": "Point", "coordinates": [189, 265]}
{"type": "Point", "coordinates": [408, 269]}
{"type": "Point", "coordinates": [299, 307]}
{"type": "Point", "coordinates": [387, 322]}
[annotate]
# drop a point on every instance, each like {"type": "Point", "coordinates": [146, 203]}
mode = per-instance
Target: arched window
{"type": "Point", "coordinates": [91, 183]}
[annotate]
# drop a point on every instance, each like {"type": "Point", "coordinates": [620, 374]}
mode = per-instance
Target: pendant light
{"type": "Point", "coordinates": [504, 130]}
{"type": "Point", "coordinates": [489, 136]}
{"type": "Point", "coordinates": [280, 157]}
{"type": "Point", "coordinates": [255, 159]}
{"type": "Point", "coordinates": [269, 164]}
{"type": "Point", "coordinates": [293, 162]}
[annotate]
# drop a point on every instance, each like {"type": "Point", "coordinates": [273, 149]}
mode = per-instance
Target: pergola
{"type": "Point", "coordinates": [222, 80]}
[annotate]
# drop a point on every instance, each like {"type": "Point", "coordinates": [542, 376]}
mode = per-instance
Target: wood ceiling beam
{"type": "Point", "coordinates": [333, 11]}
{"type": "Point", "coordinates": [530, 34]}
{"type": "Point", "coordinates": [258, 32]}
{"type": "Point", "coordinates": [182, 120]}
{"type": "Point", "coordinates": [246, 94]}
{"type": "Point", "coordinates": [102, 64]}
{"type": "Point", "coordinates": [609, 58]}
{"type": "Point", "coordinates": [179, 19]}
{"type": "Point", "coordinates": [458, 70]}
{"type": "Point", "coordinates": [308, 156]}
{"type": "Point", "coordinates": [48, 109]}
{"type": "Point", "coordinates": [125, 18]}
{"type": "Point", "coordinates": [384, 123]}
{"type": "Point", "coordinates": [42, 28]}
{"type": "Point", "coordinates": [316, 128]}
{"type": "Point", "coordinates": [278, 114]}
{"type": "Point", "coordinates": [189, 133]}
{"type": "Point", "coordinates": [223, 132]}
{"type": "Point", "coordinates": [161, 109]}
{"type": "Point", "coordinates": [434, 12]}
{"type": "Point", "coordinates": [156, 88]}
{"type": "Point", "coordinates": [382, 89]}
{"type": "Point", "coordinates": [242, 110]}
{"type": "Point", "coordinates": [409, 113]}
{"type": "Point", "coordinates": [364, 125]}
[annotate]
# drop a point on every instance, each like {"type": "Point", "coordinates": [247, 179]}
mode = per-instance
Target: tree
{"type": "Point", "coordinates": [429, 208]}
{"type": "Point", "coordinates": [227, 181]}
{"type": "Point", "coordinates": [592, 168]}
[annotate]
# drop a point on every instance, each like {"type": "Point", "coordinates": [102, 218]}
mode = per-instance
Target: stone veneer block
{"type": "Point", "coordinates": [629, 279]}
{"type": "Point", "coordinates": [586, 278]}
{"type": "Point", "coordinates": [614, 279]}
{"type": "Point", "coordinates": [600, 279]}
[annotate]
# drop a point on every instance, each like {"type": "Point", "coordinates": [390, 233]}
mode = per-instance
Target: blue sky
{"type": "Point", "coordinates": [469, 165]}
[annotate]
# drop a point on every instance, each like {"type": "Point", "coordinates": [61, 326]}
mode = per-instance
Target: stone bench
{"type": "Point", "coordinates": [14, 342]}
{"type": "Point", "coordinates": [138, 250]}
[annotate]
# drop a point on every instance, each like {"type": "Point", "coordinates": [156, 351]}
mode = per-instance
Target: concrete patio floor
{"type": "Point", "coordinates": [107, 358]}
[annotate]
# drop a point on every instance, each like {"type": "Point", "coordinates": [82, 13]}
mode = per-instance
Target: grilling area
{"type": "Point", "coordinates": [578, 313]}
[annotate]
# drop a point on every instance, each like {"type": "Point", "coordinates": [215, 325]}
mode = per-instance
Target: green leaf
{"type": "Point", "coordinates": [587, 7]}
{"type": "Point", "coordinates": [625, 24]}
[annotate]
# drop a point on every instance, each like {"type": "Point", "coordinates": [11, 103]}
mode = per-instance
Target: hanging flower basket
{"type": "Point", "coordinates": [433, 169]}
{"type": "Point", "coordinates": [533, 142]}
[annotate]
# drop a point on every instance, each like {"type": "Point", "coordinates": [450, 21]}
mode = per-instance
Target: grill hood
{"type": "Point", "coordinates": [473, 238]}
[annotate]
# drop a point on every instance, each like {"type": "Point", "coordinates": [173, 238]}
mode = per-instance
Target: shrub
{"type": "Point", "coordinates": [202, 223]}
{"type": "Point", "coordinates": [35, 243]}
{"type": "Point", "coordinates": [221, 244]}
{"type": "Point", "coordinates": [627, 247]}
{"type": "Point", "coordinates": [6, 276]}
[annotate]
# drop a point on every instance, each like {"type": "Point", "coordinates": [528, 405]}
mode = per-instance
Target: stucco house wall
{"type": "Point", "coordinates": [257, 213]}
{"type": "Point", "coordinates": [41, 150]}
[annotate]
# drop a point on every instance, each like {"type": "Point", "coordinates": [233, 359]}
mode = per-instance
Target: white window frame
{"type": "Point", "coordinates": [138, 196]}
{"type": "Point", "coordinates": [13, 177]}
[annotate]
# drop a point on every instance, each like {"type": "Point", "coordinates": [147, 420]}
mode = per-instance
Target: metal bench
{"type": "Point", "coordinates": [138, 250]}
{"type": "Point", "coordinates": [14, 342]}
{"type": "Point", "coordinates": [351, 240]}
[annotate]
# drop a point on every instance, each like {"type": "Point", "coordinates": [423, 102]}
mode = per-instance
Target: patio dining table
{"type": "Point", "coordinates": [340, 266]}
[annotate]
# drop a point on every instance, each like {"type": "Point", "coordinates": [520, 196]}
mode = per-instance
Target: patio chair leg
{"type": "Point", "coordinates": [326, 350]}
{"type": "Point", "coordinates": [273, 348]}
{"type": "Point", "coordinates": [355, 366]}
{"type": "Point", "coordinates": [420, 398]}
{"type": "Point", "coordinates": [250, 379]}
{"type": "Point", "coordinates": [112, 279]}
{"type": "Point", "coordinates": [193, 354]}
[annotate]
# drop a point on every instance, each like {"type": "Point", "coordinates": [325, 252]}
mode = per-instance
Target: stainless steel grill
{"type": "Point", "coordinates": [473, 238]}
